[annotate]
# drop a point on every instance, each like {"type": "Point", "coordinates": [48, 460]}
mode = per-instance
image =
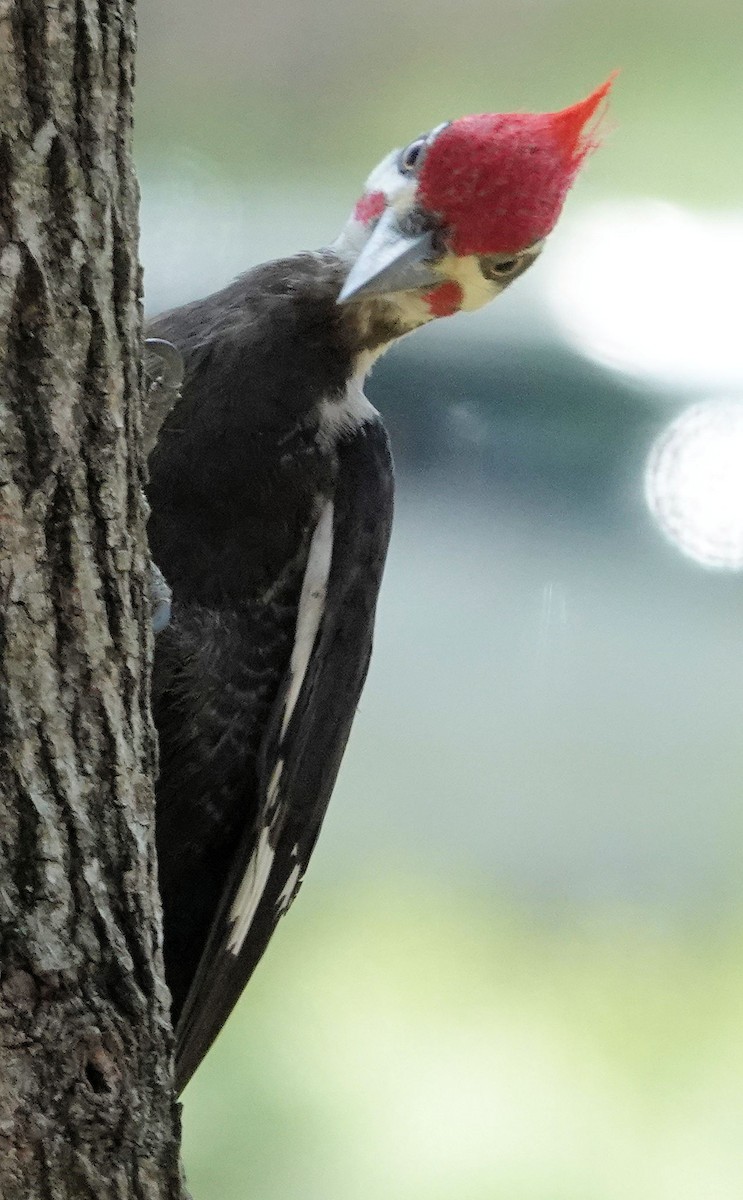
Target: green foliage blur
{"type": "Point", "coordinates": [420, 1039]}
{"type": "Point", "coordinates": [300, 89]}
{"type": "Point", "coordinates": [515, 971]}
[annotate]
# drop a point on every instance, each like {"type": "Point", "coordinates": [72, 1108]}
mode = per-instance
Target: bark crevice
{"type": "Point", "coordinates": [86, 1106]}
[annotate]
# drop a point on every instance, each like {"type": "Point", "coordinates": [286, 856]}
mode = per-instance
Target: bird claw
{"type": "Point", "coordinates": [164, 371]}
{"type": "Point", "coordinates": [164, 366]}
{"type": "Point", "coordinates": [160, 598]}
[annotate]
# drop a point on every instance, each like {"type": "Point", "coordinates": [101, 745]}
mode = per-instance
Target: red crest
{"type": "Point", "coordinates": [498, 181]}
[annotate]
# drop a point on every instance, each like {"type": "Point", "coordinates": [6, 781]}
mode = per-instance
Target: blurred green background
{"type": "Point", "coordinates": [515, 971]}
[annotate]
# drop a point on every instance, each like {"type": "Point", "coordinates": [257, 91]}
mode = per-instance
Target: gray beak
{"type": "Point", "coordinates": [392, 261]}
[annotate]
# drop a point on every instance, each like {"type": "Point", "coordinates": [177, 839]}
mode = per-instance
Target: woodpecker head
{"type": "Point", "coordinates": [447, 223]}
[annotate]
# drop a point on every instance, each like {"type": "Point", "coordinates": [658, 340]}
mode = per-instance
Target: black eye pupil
{"type": "Point", "coordinates": [493, 268]}
{"type": "Point", "coordinates": [411, 155]}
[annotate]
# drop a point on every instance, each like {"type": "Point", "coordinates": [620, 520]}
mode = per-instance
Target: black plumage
{"type": "Point", "coordinates": [271, 495]}
{"type": "Point", "coordinates": [244, 466]}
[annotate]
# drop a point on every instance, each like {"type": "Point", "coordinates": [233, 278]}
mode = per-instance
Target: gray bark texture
{"type": "Point", "coordinates": [86, 1106]}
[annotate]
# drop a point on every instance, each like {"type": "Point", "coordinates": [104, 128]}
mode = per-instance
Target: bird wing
{"type": "Point", "coordinates": [305, 738]}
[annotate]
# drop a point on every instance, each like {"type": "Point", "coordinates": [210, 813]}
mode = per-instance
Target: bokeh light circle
{"type": "Point", "coordinates": [694, 483]}
{"type": "Point", "coordinates": [652, 289]}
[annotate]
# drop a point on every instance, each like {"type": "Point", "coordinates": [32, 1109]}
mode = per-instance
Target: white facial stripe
{"type": "Point", "coordinates": [387, 177]}
{"type": "Point", "coordinates": [435, 132]}
{"type": "Point", "coordinates": [398, 189]}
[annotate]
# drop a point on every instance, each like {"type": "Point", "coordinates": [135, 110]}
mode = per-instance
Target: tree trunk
{"type": "Point", "coordinates": [86, 1107]}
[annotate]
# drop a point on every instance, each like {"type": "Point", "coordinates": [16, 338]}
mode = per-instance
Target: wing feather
{"type": "Point", "coordinates": [304, 742]}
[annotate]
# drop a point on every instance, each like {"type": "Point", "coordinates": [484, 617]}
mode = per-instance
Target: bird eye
{"type": "Point", "coordinates": [410, 156]}
{"type": "Point", "coordinates": [499, 268]}
{"type": "Point", "coordinates": [504, 268]}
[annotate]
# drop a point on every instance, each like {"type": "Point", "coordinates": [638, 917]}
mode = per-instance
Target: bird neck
{"type": "Point", "coordinates": [373, 323]}
{"type": "Point", "coordinates": [376, 322]}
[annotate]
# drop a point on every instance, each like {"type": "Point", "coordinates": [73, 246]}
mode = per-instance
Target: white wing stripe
{"type": "Point", "coordinates": [250, 891]}
{"type": "Point", "coordinates": [311, 605]}
{"type": "Point", "coordinates": [287, 893]}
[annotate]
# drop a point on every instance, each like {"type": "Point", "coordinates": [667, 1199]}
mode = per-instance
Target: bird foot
{"type": "Point", "coordinates": [160, 598]}
{"type": "Point", "coordinates": [163, 366]}
{"type": "Point", "coordinates": [164, 370]}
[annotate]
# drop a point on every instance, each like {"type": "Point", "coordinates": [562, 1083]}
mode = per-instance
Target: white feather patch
{"type": "Point", "coordinates": [250, 891]}
{"type": "Point", "coordinates": [245, 904]}
{"type": "Point", "coordinates": [309, 615]}
{"type": "Point", "coordinates": [311, 606]}
{"type": "Point", "coordinates": [352, 410]}
{"type": "Point", "coordinates": [287, 892]}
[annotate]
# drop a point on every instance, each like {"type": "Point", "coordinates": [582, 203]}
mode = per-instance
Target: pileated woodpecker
{"type": "Point", "coordinates": [271, 496]}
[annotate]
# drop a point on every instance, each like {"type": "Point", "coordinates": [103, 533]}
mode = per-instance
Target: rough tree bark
{"type": "Point", "coordinates": [86, 1108]}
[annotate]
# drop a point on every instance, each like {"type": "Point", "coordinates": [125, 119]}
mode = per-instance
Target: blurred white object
{"type": "Point", "coordinates": [694, 483]}
{"type": "Point", "coordinates": [653, 290]}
